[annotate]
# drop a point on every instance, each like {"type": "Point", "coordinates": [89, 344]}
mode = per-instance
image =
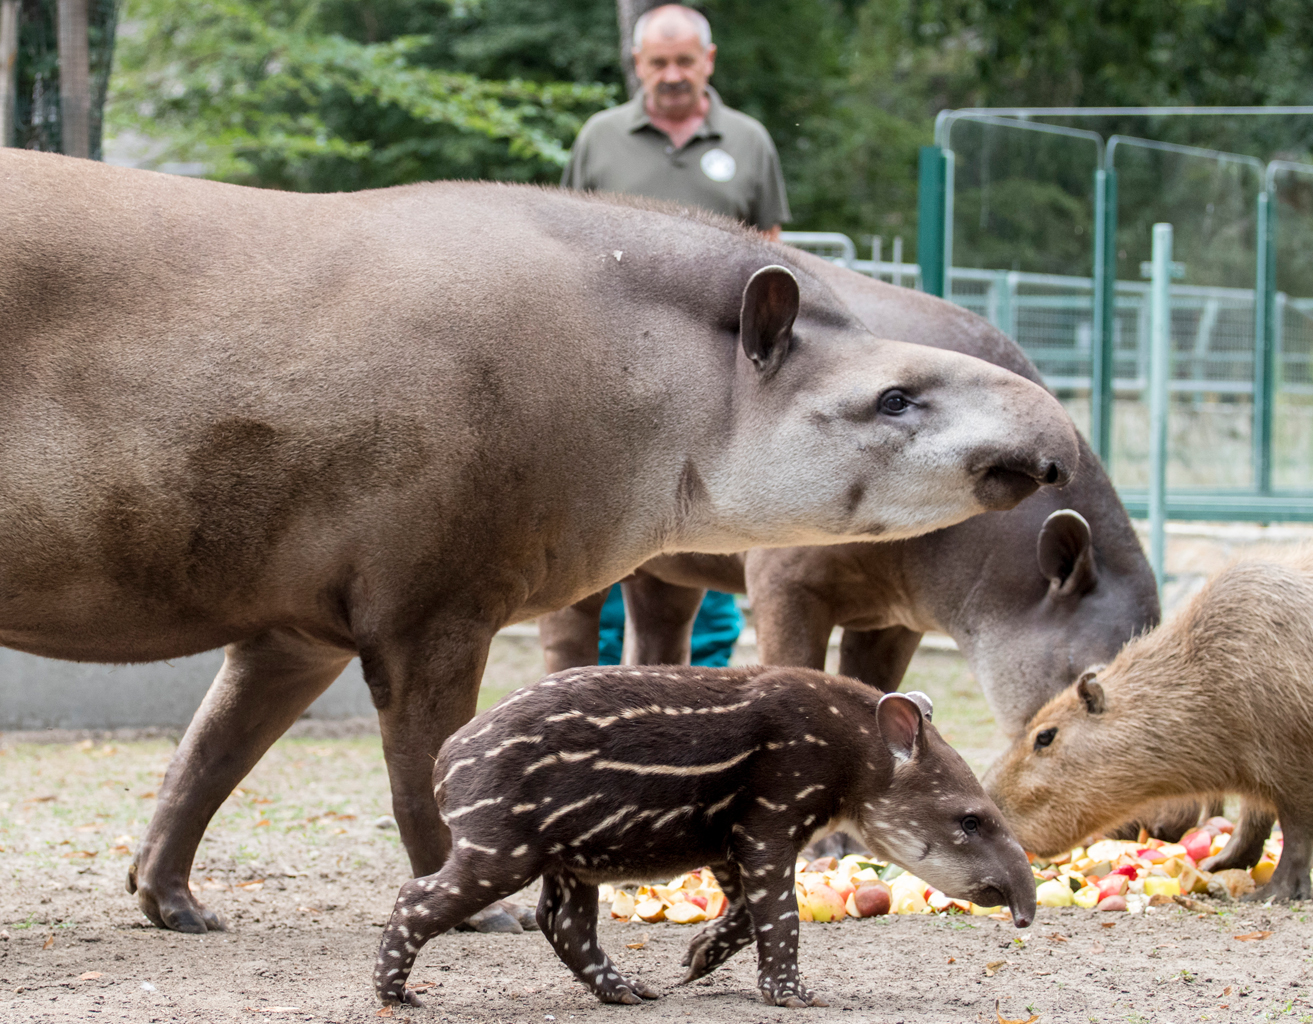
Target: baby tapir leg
{"type": "Point", "coordinates": [429, 906]}
{"type": "Point", "coordinates": [725, 936]}
{"type": "Point", "coordinates": [567, 915]}
{"type": "Point", "coordinates": [766, 865]}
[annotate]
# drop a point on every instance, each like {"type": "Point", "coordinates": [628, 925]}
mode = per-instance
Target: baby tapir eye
{"type": "Point", "coordinates": [1045, 737]}
{"type": "Point", "coordinates": [970, 824]}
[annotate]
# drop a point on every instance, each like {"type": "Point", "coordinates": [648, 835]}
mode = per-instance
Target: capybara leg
{"type": "Point", "coordinates": [878, 657]}
{"type": "Point", "coordinates": [265, 685]}
{"type": "Point", "coordinates": [1290, 881]}
{"type": "Point", "coordinates": [569, 637]}
{"type": "Point", "coordinates": [660, 621]}
{"type": "Point", "coordinates": [567, 914]}
{"type": "Point", "coordinates": [726, 935]}
{"type": "Point", "coordinates": [429, 906]}
{"type": "Point", "coordinates": [766, 871]}
{"type": "Point", "coordinates": [1245, 847]}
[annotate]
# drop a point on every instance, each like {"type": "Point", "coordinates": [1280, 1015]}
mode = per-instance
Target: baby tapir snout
{"type": "Point", "coordinates": [612, 774]}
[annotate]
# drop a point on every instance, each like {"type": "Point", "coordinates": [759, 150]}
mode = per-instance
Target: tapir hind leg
{"type": "Point", "coordinates": [878, 657]}
{"type": "Point", "coordinates": [660, 621]}
{"type": "Point", "coordinates": [569, 637]}
{"type": "Point", "coordinates": [266, 683]}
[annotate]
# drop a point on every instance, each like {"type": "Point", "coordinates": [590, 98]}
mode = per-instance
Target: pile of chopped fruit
{"type": "Point", "coordinates": [1107, 874]}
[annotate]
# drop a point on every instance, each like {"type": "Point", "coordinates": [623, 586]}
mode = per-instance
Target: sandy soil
{"type": "Point", "coordinates": [298, 863]}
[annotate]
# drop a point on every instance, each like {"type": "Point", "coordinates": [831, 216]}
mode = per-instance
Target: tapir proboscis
{"type": "Point", "coordinates": [305, 427]}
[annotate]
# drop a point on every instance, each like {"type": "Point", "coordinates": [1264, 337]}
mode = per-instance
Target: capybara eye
{"type": "Point", "coordinates": [970, 824]}
{"type": "Point", "coordinates": [1043, 739]}
{"type": "Point", "coordinates": [894, 403]}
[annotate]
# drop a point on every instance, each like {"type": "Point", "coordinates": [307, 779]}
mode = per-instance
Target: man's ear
{"type": "Point", "coordinates": [1066, 554]}
{"type": "Point", "coordinates": [901, 725]}
{"type": "Point", "coordinates": [770, 305]}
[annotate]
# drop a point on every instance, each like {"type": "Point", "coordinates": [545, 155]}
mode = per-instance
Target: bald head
{"type": "Point", "coordinates": [673, 58]}
{"type": "Point", "coordinates": [672, 21]}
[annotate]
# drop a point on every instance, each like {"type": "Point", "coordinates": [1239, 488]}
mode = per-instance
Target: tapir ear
{"type": "Point", "coordinates": [924, 702]}
{"type": "Point", "coordinates": [1090, 690]}
{"type": "Point", "coordinates": [1066, 555]}
{"type": "Point", "coordinates": [770, 305]}
{"type": "Point", "coordinates": [901, 725]}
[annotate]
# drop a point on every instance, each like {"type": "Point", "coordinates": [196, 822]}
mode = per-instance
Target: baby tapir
{"type": "Point", "coordinates": [1218, 700]}
{"type": "Point", "coordinates": [610, 774]}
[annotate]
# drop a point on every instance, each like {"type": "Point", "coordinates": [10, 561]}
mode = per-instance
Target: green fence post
{"type": "Point", "coordinates": [930, 225]}
{"type": "Point", "coordinates": [1265, 294]}
{"type": "Point", "coordinates": [1160, 373]}
{"type": "Point", "coordinates": [1102, 367]}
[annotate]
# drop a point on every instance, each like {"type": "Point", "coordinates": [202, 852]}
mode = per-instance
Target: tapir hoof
{"type": "Point", "coordinates": [491, 920]}
{"type": "Point", "coordinates": [176, 912]}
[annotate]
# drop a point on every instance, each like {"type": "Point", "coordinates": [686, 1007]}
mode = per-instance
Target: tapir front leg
{"type": "Point", "coordinates": [264, 686]}
{"type": "Point", "coordinates": [569, 637]}
{"type": "Point", "coordinates": [660, 628]}
{"type": "Point", "coordinates": [425, 690]}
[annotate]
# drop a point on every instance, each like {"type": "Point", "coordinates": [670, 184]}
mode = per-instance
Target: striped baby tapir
{"type": "Point", "coordinates": [613, 774]}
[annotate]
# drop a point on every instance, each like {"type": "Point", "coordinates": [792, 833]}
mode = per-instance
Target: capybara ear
{"type": "Point", "coordinates": [924, 702]}
{"type": "Point", "coordinates": [770, 305]}
{"type": "Point", "coordinates": [1091, 692]}
{"type": "Point", "coordinates": [900, 722]}
{"type": "Point", "coordinates": [1066, 556]}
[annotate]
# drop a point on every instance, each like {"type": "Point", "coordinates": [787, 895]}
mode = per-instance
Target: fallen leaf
{"type": "Point", "coordinates": [422, 986]}
{"type": "Point", "coordinates": [1057, 937]}
{"type": "Point", "coordinates": [1097, 948]}
{"type": "Point", "coordinates": [79, 855]}
{"type": "Point", "coordinates": [1007, 1020]}
{"type": "Point", "coordinates": [1107, 924]}
{"type": "Point", "coordinates": [255, 883]}
{"type": "Point", "coordinates": [150, 795]}
{"type": "Point", "coordinates": [635, 945]}
{"type": "Point", "coordinates": [385, 1012]}
{"type": "Point", "coordinates": [952, 959]}
{"type": "Point", "coordinates": [993, 966]}
{"type": "Point", "coordinates": [1004, 916]}
{"type": "Point", "coordinates": [1195, 905]}
{"type": "Point", "coordinates": [261, 823]}
{"type": "Point", "coordinates": [50, 941]}
{"type": "Point", "coordinates": [41, 799]}
{"type": "Point", "coordinates": [309, 910]}
{"type": "Point", "coordinates": [89, 976]}
{"type": "Point", "coordinates": [1252, 937]}
{"type": "Point", "coordinates": [1225, 992]}
{"type": "Point", "coordinates": [122, 851]}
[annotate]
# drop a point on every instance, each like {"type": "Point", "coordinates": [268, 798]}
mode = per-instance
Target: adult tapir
{"type": "Point", "coordinates": [304, 427]}
{"type": "Point", "coordinates": [1033, 596]}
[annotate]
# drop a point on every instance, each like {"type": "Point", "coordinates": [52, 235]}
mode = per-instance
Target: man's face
{"type": "Point", "coordinates": [674, 70]}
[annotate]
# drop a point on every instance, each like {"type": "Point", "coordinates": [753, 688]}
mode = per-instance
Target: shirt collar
{"type": "Point", "coordinates": [708, 129]}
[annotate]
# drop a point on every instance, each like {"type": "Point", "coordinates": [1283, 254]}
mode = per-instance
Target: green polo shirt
{"type": "Point", "coordinates": [729, 166]}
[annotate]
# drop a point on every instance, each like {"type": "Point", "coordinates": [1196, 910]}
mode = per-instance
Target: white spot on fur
{"type": "Point", "coordinates": [674, 769]}
{"type": "Point", "coordinates": [770, 806]}
{"type": "Point", "coordinates": [521, 808]}
{"type": "Point", "coordinates": [804, 793]}
{"type": "Point", "coordinates": [567, 809]}
{"type": "Point", "coordinates": [460, 812]}
{"type": "Point", "coordinates": [455, 767]}
{"type": "Point", "coordinates": [465, 844]}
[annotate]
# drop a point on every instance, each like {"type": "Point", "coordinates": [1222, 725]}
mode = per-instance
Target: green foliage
{"type": "Point", "coordinates": [262, 92]}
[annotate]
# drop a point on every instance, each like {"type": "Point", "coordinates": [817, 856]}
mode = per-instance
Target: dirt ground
{"type": "Point", "coordinates": [303, 865]}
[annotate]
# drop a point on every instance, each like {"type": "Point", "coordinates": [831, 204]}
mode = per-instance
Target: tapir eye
{"type": "Point", "coordinates": [894, 403]}
{"type": "Point", "coordinates": [1043, 739]}
{"type": "Point", "coordinates": [970, 824]}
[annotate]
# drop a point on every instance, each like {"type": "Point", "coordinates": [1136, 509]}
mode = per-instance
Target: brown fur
{"type": "Point", "coordinates": [613, 774]}
{"type": "Point", "coordinates": [304, 427]}
{"type": "Point", "coordinates": [1217, 700]}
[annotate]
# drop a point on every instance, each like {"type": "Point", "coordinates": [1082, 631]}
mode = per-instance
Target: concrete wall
{"type": "Point", "coordinates": [39, 693]}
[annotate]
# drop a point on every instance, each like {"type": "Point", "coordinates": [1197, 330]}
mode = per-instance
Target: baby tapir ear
{"type": "Point", "coordinates": [770, 305]}
{"type": "Point", "coordinates": [1066, 554]}
{"type": "Point", "coordinates": [924, 702]}
{"type": "Point", "coordinates": [900, 721]}
{"type": "Point", "coordinates": [1090, 690]}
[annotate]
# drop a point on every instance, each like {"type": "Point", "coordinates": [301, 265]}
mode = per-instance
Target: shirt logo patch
{"type": "Point", "coordinates": [718, 165]}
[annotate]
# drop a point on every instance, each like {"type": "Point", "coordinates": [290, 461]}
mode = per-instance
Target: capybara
{"type": "Point", "coordinates": [612, 774]}
{"type": "Point", "coordinates": [1218, 700]}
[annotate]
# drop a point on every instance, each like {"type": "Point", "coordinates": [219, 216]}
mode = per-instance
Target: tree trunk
{"type": "Point", "coordinates": [629, 12]}
{"type": "Point", "coordinates": [74, 79]}
{"type": "Point", "coordinates": [8, 68]}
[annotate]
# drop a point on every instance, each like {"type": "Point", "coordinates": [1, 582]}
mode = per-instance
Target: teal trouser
{"type": "Point", "coordinates": [715, 630]}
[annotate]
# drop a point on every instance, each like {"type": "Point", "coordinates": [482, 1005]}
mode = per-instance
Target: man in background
{"type": "Point", "coordinates": [677, 140]}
